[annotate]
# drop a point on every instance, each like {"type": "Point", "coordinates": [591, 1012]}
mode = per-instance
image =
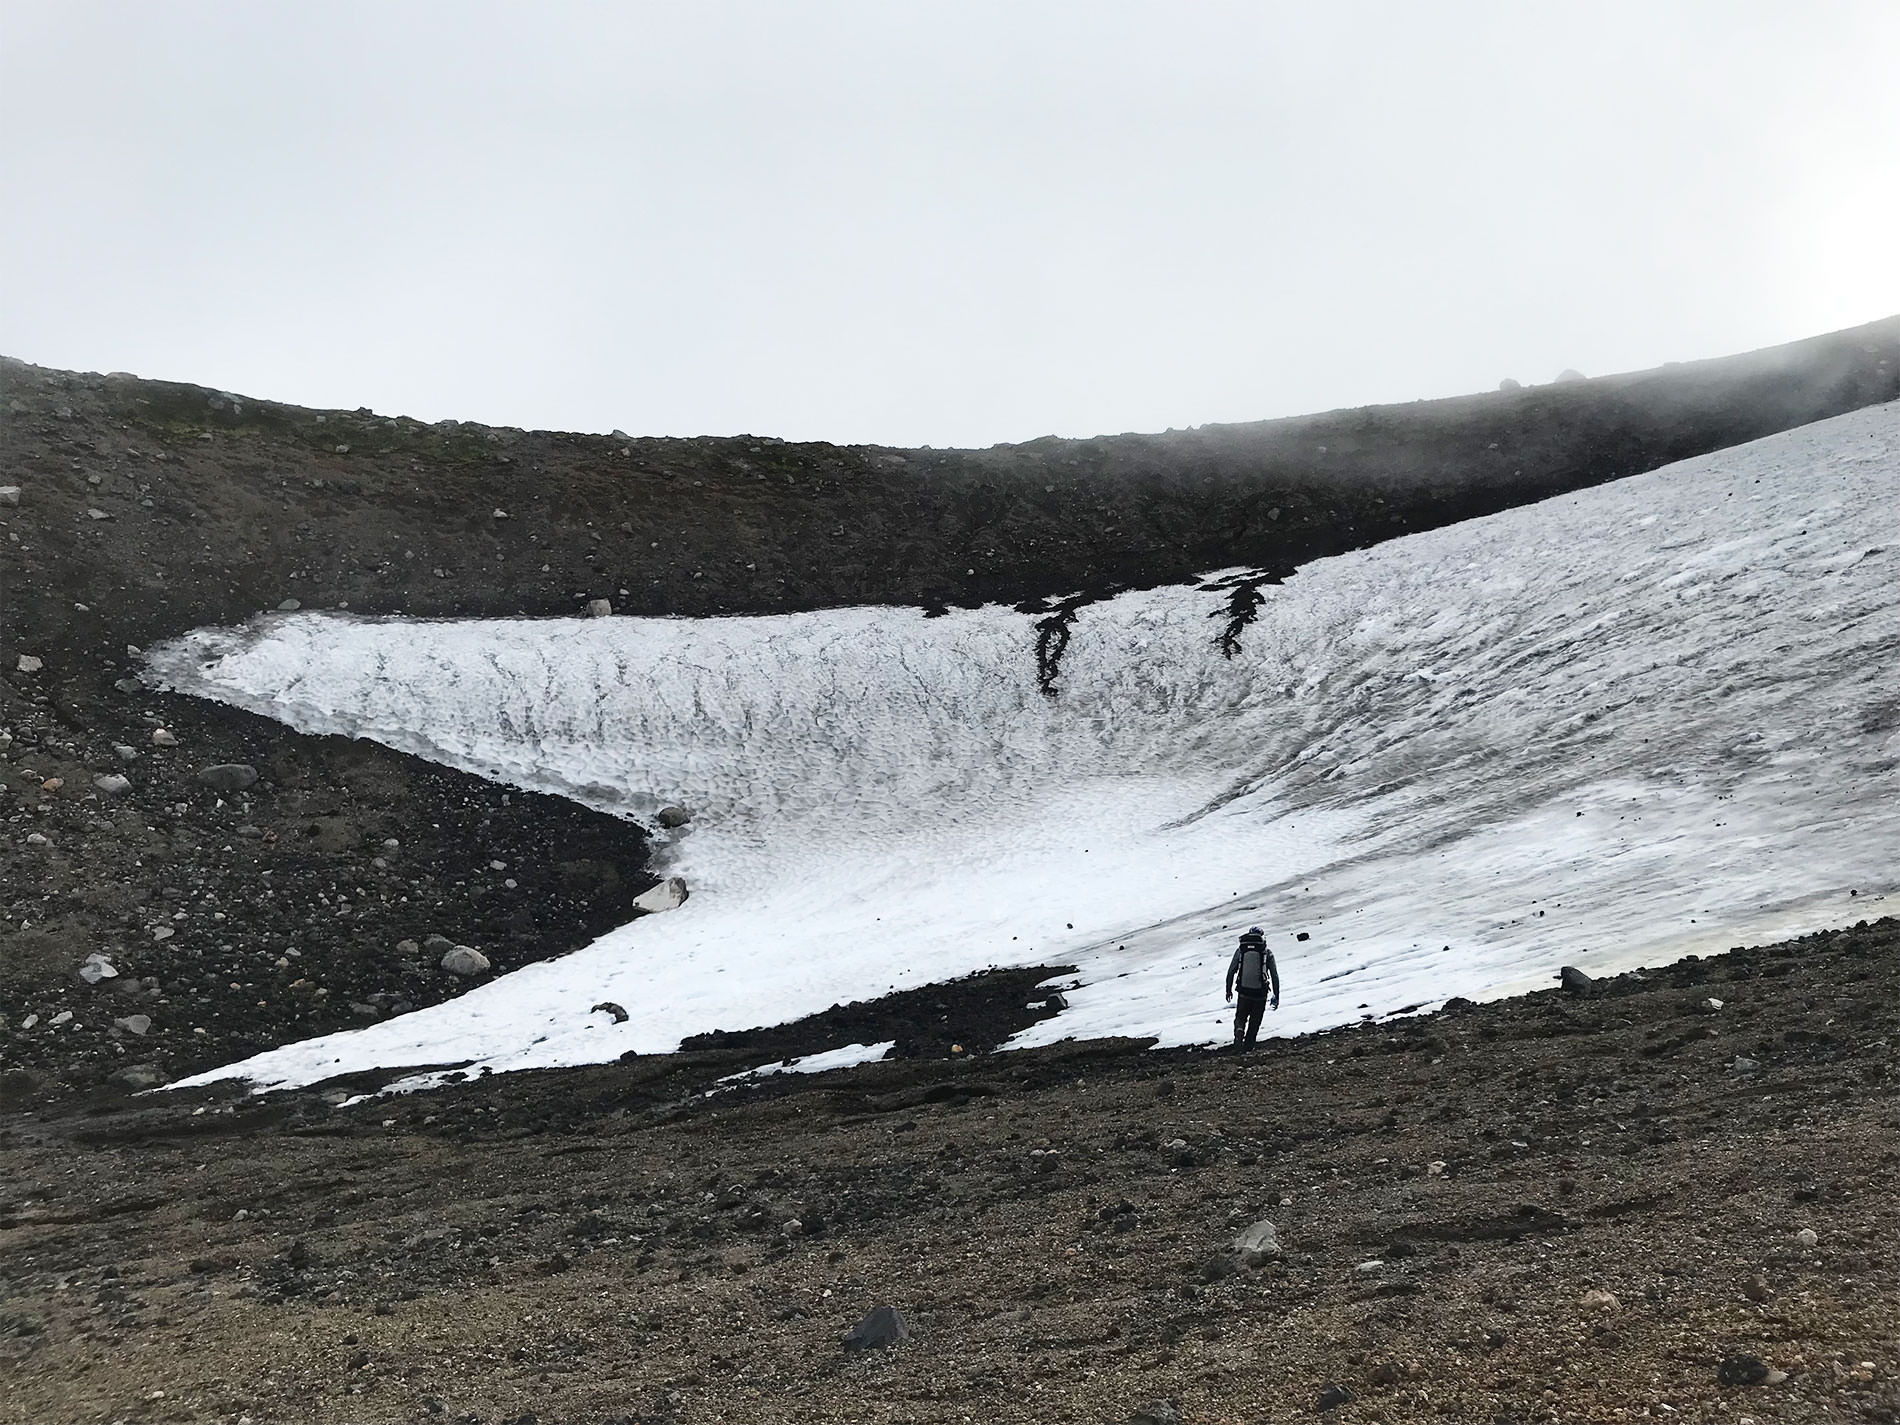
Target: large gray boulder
{"type": "Point", "coordinates": [466, 961]}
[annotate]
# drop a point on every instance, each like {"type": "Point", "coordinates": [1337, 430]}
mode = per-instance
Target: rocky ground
{"type": "Point", "coordinates": [1669, 1197]}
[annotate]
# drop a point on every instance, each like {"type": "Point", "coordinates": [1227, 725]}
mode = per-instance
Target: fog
{"type": "Point", "coordinates": [947, 224]}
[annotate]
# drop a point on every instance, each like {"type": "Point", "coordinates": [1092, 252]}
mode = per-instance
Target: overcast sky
{"type": "Point", "coordinates": [950, 224]}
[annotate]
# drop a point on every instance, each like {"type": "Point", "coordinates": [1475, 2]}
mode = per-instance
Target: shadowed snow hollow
{"type": "Point", "coordinates": [1653, 718]}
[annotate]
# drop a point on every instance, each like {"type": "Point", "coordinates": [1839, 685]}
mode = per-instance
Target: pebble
{"type": "Point", "coordinates": [289, 606]}
{"type": "Point", "coordinates": [1597, 1299]}
{"type": "Point", "coordinates": [125, 753]}
{"type": "Point", "coordinates": [29, 664]}
{"type": "Point", "coordinates": [97, 967]}
{"type": "Point", "coordinates": [1332, 1395]}
{"type": "Point", "coordinates": [1258, 1244]}
{"type": "Point", "coordinates": [34, 838]}
{"type": "Point", "coordinates": [882, 1326]}
{"type": "Point", "coordinates": [163, 737]}
{"type": "Point", "coordinates": [112, 784]}
{"type": "Point", "coordinates": [1374, 1264]}
{"type": "Point", "coordinates": [139, 1024]}
{"type": "Point", "coordinates": [9, 494]}
{"type": "Point", "coordinates": [228, 776]}
{"type": "Point", "coordinates": [1808, 1237]}
{"type": "Point", "coordinates": [466, 961]}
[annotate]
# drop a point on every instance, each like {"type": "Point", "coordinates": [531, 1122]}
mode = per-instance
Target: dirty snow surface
{"type": "Point", "coordinates": [1655, 718]}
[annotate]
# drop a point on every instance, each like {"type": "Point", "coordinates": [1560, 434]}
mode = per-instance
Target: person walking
{"type": "Point", "coordinates": [1253, 973]}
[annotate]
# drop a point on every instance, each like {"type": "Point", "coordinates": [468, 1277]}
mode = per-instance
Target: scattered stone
{"type": "Point", "coordinates": [228, 777]}
{"type": "Point", "coordinates": [1597, 1299]}
{"type": "Point", "coordinates": [163, 737]}
{"type": "Point", "coordinates": [34, 838]}
{"type": "Point", "coordinates": [1711, 1005]}
{"type": "Point", "coordinates": [289, 606]}
{"type": "Point", "coordinates": [112, 784]}
{"type": "Point", "coordinates": [139, 1024]}
{"type": "Point", "coordinates": [673, 817]}
{"type": "Point", "coordinates": [500, 515]}
{"type": "Point", "coordinates": [466, 961]}
{"type": "Point", "coordinates": [1808, 1237]}
{"type": "Point", "coordinates": [29, 664]}
{"type": "Point", "coordinates": [607, 1005]}
{"type": "Point", "coordinates": [1745, 1065]}
{"type": "Point", "coordinates": [1739, 1369]}
{"type": "Point", "coordinates": [52, 784]}
{"type": "Point", "coordinates": [408, 949]}
{"type": "Point", "coordinates": [599, 608]}
{"type": "Point", "coordinates": [1157, 1412]}
{"type": "Point", "coordinates": [162, 932]}
{"type": "Point", "coordinates": [1575, 981]}
{"type": "Point", "coordinates": [125, 753]}
{"type": "Point", "coordinates": [97, 514]}
{"type": "Point", "coordinates": [97, 967]}
{"type": "Point", "coordinates": [9, 494]}
{"type": "Point", "coordinates": [881, 1327]}
{"type": "Point", "coordinates": [1332, 1395]}
{"type": "Point", "coordinates": [670, 894]}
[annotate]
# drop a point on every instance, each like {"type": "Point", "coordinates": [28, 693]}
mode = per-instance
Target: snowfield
{"type": "Point", "coordinates": [1655, 718]}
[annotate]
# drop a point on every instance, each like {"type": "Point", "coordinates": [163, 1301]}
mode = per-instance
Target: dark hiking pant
{"type": "Point", "coordinates": [1247, 1011]}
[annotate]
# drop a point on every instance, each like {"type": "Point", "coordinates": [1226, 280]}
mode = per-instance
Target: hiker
{"type": "Point", "coordinates": [1253, 968]}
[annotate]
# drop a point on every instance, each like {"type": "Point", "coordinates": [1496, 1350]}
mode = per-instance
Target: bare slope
{"type": "Point", "coordinates": [148, 508]}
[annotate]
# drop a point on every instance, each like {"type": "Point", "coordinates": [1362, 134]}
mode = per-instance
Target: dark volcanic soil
{"type": "Point", "coordinates": [1558, 1208]}
{"type": "Point", "coordinates": [148, 508]}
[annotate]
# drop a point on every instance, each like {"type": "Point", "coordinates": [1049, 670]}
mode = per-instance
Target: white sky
{"type": "Point", "coordinates": [933, 223]}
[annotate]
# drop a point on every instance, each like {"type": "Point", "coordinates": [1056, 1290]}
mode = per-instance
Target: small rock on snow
{"type": "Point", "coordinates": [670, 894]}
{"type": "Point", "coordinates": [609, 1007]}
{"type": "Point", "coordinates": [1574, 980]}
{"type": "Point", "coordinates": [672, 817]}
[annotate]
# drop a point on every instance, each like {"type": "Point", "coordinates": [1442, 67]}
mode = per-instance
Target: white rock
{"type": "Point", "coordinates": [125, 753]}
{"type": "Point", "coordinates": [97, 515]}
{"type": "Point", "coordinates": [34, 838]}
{"type": "Point", "coordinates": [162, 932]}
{"type": "Point", "coordinates": [97, 968]}
{"type": "Point", "coordinates": [112, 784]}
{"type": "Point", "coordinates": [1808, 1237]}
{"type": "Point", "coordinates": [140, 1024]}
{"type": "Point", "coordinates": [599, 608]}
{"type": "Point", "coordinates": [1257, 1244]}
{"type": "Point", "coordinates": [670, 894]}
{"type": "Point", "coordinates": [163, 737]}
{"type": "Point", "coordinates": [9, 494]}
{"type": "Point", "coordinates": [466, 961]}
{"type": "Point", "coordinates": [1368, 1267]}
{"type": "Point", "coordinates": [29, 664]}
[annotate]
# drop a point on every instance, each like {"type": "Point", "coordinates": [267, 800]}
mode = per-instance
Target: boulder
{"type": "Point", "coordinates": [1574, 981]}
{"type": "Point", "coordinates": [228, 776]}
{"type": "Point", "coordinates": [670, 894]}
{"type": "Point", "coordinates": [1510, 384]}
{"type": "Point", "coordinates": [466, 961]}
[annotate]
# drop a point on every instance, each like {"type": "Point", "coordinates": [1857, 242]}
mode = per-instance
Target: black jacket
{"type": "Point", "coordinates": [1264, 971]}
